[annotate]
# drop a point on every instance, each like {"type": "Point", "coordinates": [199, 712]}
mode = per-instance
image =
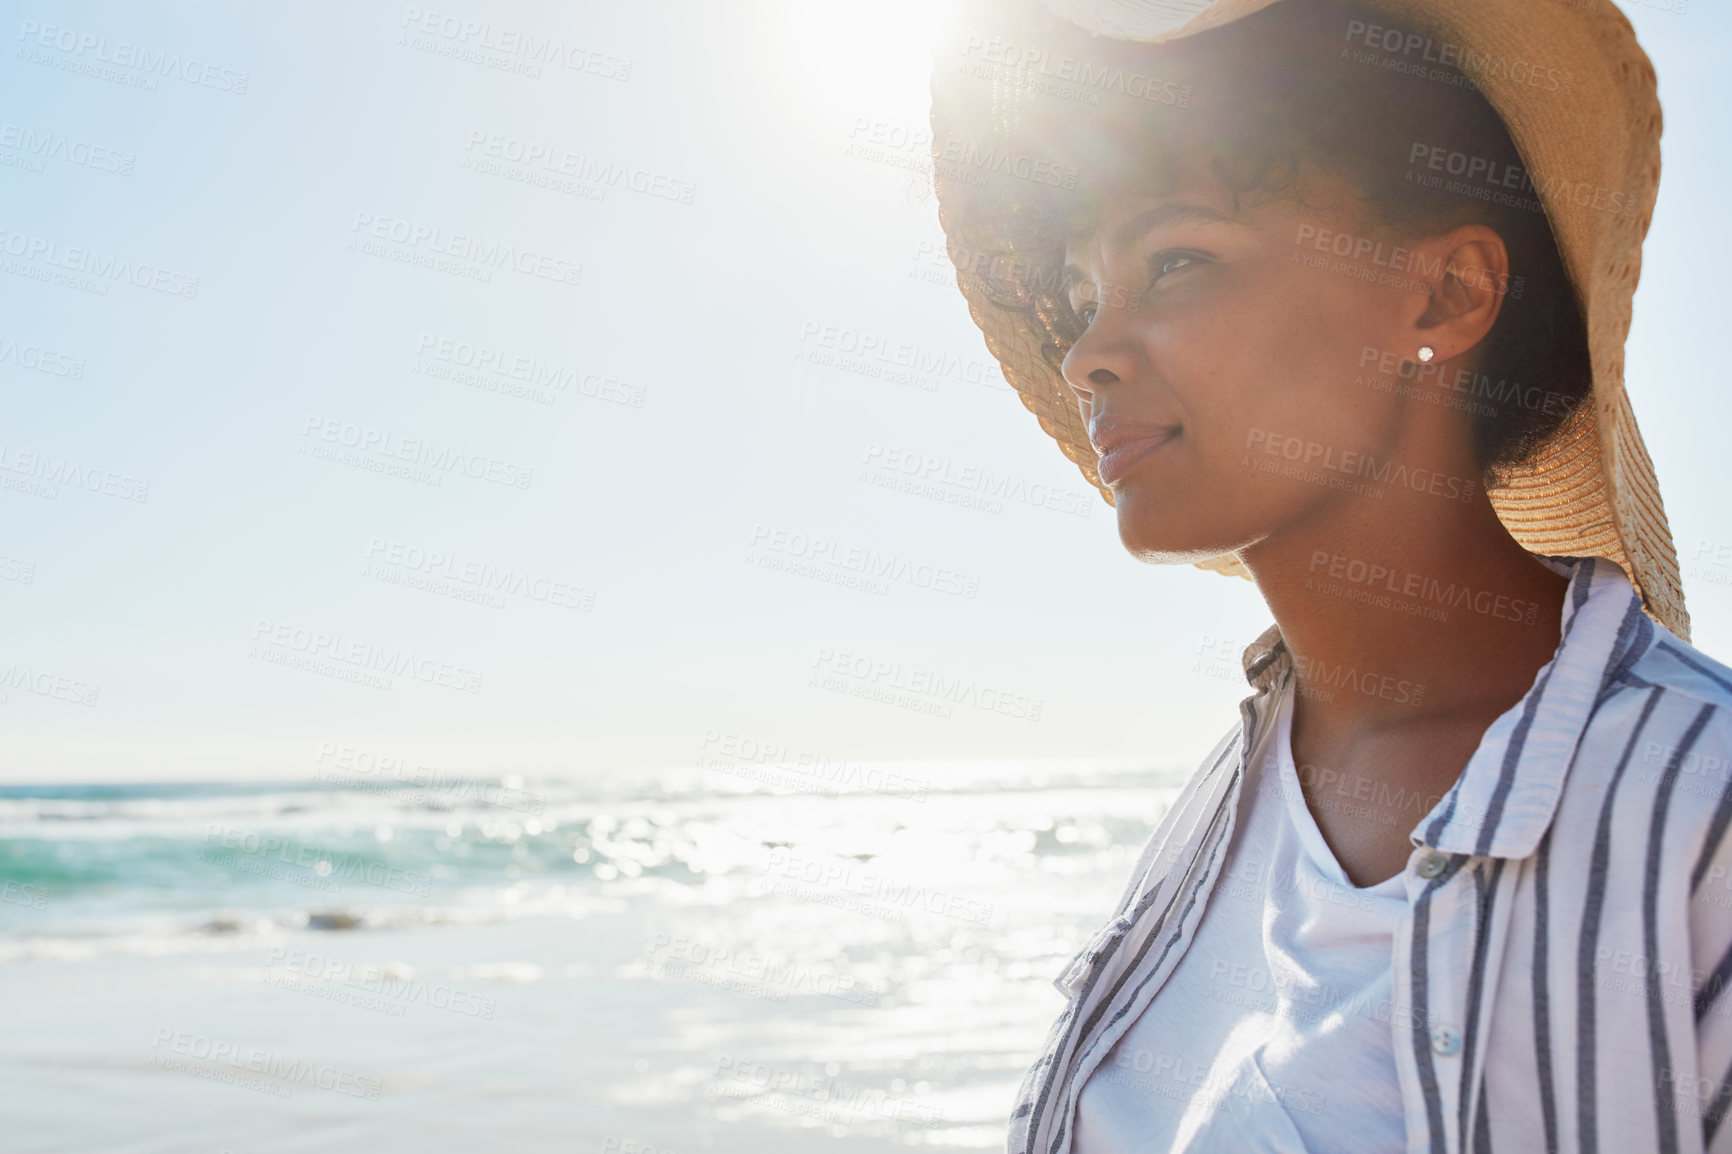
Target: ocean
{"type": "Point", "coordinates": [748, 955]}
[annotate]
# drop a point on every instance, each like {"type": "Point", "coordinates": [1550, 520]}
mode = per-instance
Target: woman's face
{"type": "Point", "coordinates": [1233, 360]}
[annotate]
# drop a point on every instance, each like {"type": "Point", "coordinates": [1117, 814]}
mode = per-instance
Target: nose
{"type": "Point", "coordinates": [1106, 354]}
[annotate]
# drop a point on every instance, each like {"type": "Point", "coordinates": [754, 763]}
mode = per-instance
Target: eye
{"type": "Point", "coordinates": [1161, 264]}
{"type": "Point", "coordinates": [1169, 261]}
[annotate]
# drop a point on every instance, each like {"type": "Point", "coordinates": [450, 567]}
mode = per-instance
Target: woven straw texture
{"type": "Point", "coordinates": [1592, 490]}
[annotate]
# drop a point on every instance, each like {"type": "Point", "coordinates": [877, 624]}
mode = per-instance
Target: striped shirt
{"type": "Point", "coordinates": [1561, 969]}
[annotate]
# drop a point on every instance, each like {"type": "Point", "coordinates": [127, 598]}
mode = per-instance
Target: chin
{"type": "Point", "coordinates": [1163, 537]}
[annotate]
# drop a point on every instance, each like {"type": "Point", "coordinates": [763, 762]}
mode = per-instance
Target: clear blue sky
{"type": "Point", "coordinates": [373, 277]}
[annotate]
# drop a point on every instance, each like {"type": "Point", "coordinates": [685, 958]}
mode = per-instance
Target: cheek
{"type": "Point", "coordinates": [1283, 360]}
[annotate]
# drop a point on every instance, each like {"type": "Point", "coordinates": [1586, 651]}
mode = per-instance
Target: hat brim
{"type": "Point", "coordinates": [1591, 489]}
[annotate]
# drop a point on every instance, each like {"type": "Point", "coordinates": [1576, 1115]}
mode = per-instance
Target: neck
{"type": "Point", "coordinates": [1411, 607]}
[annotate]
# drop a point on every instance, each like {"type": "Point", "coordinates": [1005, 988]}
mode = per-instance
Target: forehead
{"type": "Point", "coordinates": [1120, 214]}
{"type": "Point", "coordinates": [1124, 219]}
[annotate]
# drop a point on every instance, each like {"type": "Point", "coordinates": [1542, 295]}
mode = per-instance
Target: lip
{"type": "Point", "coordinates": [1123, 445]}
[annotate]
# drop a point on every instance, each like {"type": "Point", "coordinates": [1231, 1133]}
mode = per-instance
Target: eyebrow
{"type": "Point", "coordinates": [1163, 215]}
{"type": "Point", "coordinates": [1173, 212]}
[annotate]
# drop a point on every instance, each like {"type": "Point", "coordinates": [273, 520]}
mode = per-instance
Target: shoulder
{"type": "Point", "coordinates": [1680, 762]}
{"type": "Point", "coordinates": [1676, 703]}
{"type": "Point", "coordinates": [1654, 752]}
{"type": "Point", "coordinates": [1656, 760]}
{"type": "Point", "coordinates": [1676, 667]}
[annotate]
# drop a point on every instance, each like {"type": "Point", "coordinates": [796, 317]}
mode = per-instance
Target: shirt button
{"type": "Point", "coordinates": [1446, 1040]}
{"type": "Point", "coordinates": [1432, 864]}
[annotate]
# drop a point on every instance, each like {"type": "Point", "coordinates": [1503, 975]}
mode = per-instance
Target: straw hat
{"type": "Point", "coordinates": [1591, 491]}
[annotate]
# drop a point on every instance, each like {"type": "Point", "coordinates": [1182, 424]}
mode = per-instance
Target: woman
{"type": "Point", "coordinates": [1334, 296]}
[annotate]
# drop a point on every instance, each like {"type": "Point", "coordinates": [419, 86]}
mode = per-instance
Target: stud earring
{"type": "Point", "coordinates": [1426, 352]}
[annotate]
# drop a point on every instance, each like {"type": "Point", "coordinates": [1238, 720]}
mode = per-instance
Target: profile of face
{"type": "Point", "coordinates": [1235, 356]}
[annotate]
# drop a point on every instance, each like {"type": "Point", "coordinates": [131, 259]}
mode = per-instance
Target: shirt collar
{"type": "Point", "coordinates": [1264, 660]}
{"type": "Point", "coordinates": [1503, 802]}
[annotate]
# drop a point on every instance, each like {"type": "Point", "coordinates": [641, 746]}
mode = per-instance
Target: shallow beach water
{"type": "Point", "coordinates": [746, 957]}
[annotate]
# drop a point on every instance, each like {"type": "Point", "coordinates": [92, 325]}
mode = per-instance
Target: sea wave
{"type": "Point", "coordinates": [88, 871]}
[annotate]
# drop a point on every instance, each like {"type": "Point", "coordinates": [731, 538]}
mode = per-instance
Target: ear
{"type": "Point", "coordinates": [1467, 271]}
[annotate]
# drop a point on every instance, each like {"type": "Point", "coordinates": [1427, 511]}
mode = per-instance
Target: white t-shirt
{"type": "Point", "coordinates": [1274, 1033]}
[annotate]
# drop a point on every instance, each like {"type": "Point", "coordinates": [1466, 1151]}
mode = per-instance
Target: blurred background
{"type": "Point", "coordinates": [530, 614]}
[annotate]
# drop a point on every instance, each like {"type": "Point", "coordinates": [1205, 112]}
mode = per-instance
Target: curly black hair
{"type": "Point", "coordinates": [1333, 85]}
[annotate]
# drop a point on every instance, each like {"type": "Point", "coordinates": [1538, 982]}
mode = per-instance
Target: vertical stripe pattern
{"type": "Point", "coordinates": [1574, 946]}
{"type": "Point", "coordinates": [1659, 1045]}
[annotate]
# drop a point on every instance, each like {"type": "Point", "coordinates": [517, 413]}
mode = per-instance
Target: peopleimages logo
{"type": "Point", "coordinates": [1317, 677]}
{"type": "Point", "coordinates": [835, 669]}
{"type": "Point", "coordinates": [27, 895]}
{"type": "Point", "coordinates": [1091, 77]}
{"type": "Point", "coordinates": [390, 984]}
{"type": "Point", "coordinates": [444, 29]}
{"type": "Point", "coordinates": [1421, 588]}
{"type": "Point", "coordinates": [894, 896]}
{"type": "Point", "coordinates": [943, 474]}
{"type": "Point", "coordinates": [1413, 51]}
{"type": "Point", "coordinates": [102, 267]}
{"type": "Point", "coordinates": [1350, 463]}
{"type": "Point", "coordinates": [1398, 260]}
{"type": "Point", "coordinates": [197, 1054]}
{"type": "Point", "coordinates": [399, 778]}
{"type": "Point", "coordinates": [924, 364]}
{"type": "Point", "coordinates": [753, 758]}
{"type": "Point", "coordinates": [41, 360]}
{"type": "Point", "coordinates": [327, 869]}
{"type": "Point", "coordinates": [48, 145]}
{"type": "Point", "coordinates": [1175, 1078]}
{"type": "Point", "coordinates": [1496, 177]}
{"type": "Point", "coordinates": [85, 46]}
{"type": "Point", "coordinates": [751, 973]}
{"type": "Point", "coordinates": [498, 370]}
{"type": "Point", "coordinates": [1501, 391]}
{"type": "Point", "coordinates": [445, 459]}
{"type": "Point", "coordinates": [362, 656]}
{"type": "Point", "coordinates": [481, 576]}
{"type": "Point", "coordinates": [482, 255]}
{"type": "Point", "coordinates": [992, 159]}
{"type": "Point", "coordinates": [794, 548]}
{"type": "Point", "coordinates": [44, 684]}
{"type": "Point", "coordinates": [54, 471]}
{"type": "Point", "coordinates": [824, 1097]}
{"type": "Point", "coordinates": [556, 160]}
